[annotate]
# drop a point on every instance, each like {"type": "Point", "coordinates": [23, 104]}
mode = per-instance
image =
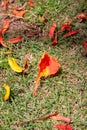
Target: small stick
{"type": "Point", "coordinates": [39, 119]}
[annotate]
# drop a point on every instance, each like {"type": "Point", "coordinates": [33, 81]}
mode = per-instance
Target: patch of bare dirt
{"type": "Point", "coordinates": [17, 25]}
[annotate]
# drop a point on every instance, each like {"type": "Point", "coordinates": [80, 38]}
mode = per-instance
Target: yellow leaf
{"type": "Point", "coordinates": [7, 95]}
{"type": "Point", "coordinates": [13, 64]}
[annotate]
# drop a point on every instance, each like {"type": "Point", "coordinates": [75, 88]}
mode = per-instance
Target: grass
{"type": "Point", "coordinates": [66, 91]}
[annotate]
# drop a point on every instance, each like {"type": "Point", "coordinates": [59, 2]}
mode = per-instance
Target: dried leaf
{"type": "Point", "coordinates": [47, 66]}
{"type": "Point", "coordinates": [63, 127]}
{"type": "Point", "coordinates": [70, 33]}
{"type": "Point", "coordinates": [31, 4]}
{"type": "Point", "coordinates": [82, 17]}
{"type": "Point", "coordinates": [13, 64]}
{"type": "Point", "coordinates": [61, 118]}
{"type": "Point", "coordinates": [52, 30]}
{"type": "Point", "coordinates": [55, 41]}
{"type": "Point", "coordinates": [18, 13]}
{"type": "Point", "coordinates": [65, 27]}
{"type": "Point", "coordinates": [5, 25]}
{"type": "Point", "coordinates": [5, 4]}
{"type": "Point", "coordinates": [1, 40]}
{"type": "Point", "coordinates": [25, 64]}
{"type": "Point", "coordinates": [15, 40]}
{"type": "Point", "coordinates": [85, 45]}
{"type": "Point", "coordinates": [7, 95]}
{"type": "Point", "coordinates": [68, 22]}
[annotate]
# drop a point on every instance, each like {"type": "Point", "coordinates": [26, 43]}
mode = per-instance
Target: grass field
{"type": "Point", "coordinates": [66, 91]}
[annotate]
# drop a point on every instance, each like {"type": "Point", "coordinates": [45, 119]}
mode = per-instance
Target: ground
{"type": "Point", "coordinates": [66, 91]}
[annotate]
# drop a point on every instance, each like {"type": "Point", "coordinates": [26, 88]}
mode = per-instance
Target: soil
{"type": "Point", "coordinates": [17, 25]}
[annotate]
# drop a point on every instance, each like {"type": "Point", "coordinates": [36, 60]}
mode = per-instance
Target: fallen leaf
{"type": "Point", "coordinates": [18, 13]}
{"type": "Point", "coordinates": [1, 40]}
{"type": "Point", "coordinates": [47, 66]}
{"type": "Point", "coordinates": [65, 27]}
{"type": "Point", "coordinates": [5, 25]}
{"type": "Point", "coordinates": [63, 127]}
{"type": "Point", "coordinates": [71, 33]}
{"type": "Point", "coordinates": [15, 40]}
{"type": "Point", "coordinates": [25, 64]}
{"type": "Point", "coordinates": [61, 118]}
{"type": "Point", "coordinates": [14, 65]}
{"type": "Point", "coordinates": [68, 22]}
{"type": "Point", "coordinates": [31, 4]}
{"type": "Point", "coordinates": [85, 45]}
{"type": "Point", "coordinates": [82, 17]}
{"type": "Point", "coordinates": [52, 30]}
{"type": "Point", "coordinates": [5, 4]}
{"type": "Point", "coordinates": [55, 41]}
{"type": "Point", "coordinates": [7, 95]}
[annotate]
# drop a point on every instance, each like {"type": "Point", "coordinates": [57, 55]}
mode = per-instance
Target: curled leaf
{"type": "Point", "coordinates": [5, 4]}
{"type": "Point", "coordinates": [61, 118]}
{"type": "Point", "coordinates": [47, 66]}
{"type": "Point", "coordinates": [1, 40]}
{"type": "Point", "coordinates": [70, 33]}
{"type": "Point", "coordinates": [14, 65]}
{"type": "Point", "coordinates": [15, 40]}
{"type": "Point", "coordinates": [63, 127]}
{"type": "Point", "coordinates": [7, 95]}
{"type": "Point", "coordinates": [52, 30]}
{"type": "Point", "coordinates": [5, 25]}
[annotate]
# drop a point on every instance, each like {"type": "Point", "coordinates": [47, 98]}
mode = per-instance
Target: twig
{"type": "Point", "coordinates": [39, 119]}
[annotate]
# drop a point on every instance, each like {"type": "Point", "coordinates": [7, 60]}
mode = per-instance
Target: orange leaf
{"type": "Point", "coordinates": [15, 40]}
{"type": "Point", "coordinates": [5, 25]}
{"type": "Point", "coordinates": [82, 17]}
{"type": "Point", "coordinates": [61, 118]}
{"type": "Point", "coordinates": [68, 22]}
{"type": "Point", "coordinates": [30, 3]}
{"type": "Point", "coordinates": [85, 45]}
{"type": "Point", "coordinates": [63, 127]}
{"type": "Point", "coordinates": [19, 13]}
{"type": "Point", "coordinates": [52, 30]}
{"type": "Point", "coordinates": [47, 66]}
{"type": "Point", "coordinates": [70, 33]}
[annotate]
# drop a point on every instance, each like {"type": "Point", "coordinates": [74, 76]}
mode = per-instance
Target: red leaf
{"type": "Point", "coordinates": [30, 3]}
{"type": "Point", "coordinates": [85, 45]}
{"type": "Point", "coordinates": [52, 30]}
{"type": "Point", "coordinates": [47, 66]}
{"type": "Point", "coordinates": [5, 25]}
{"type": "Point", "coordinates": [70, 33]}
{"type": "Point", "coordinates": [1, 40]}
{"type": "Point", "coordinates": [54, 42]}
{"type": "Point", "coordinates": [15, 40]}
{"type": "Point", "coordinates": [63, 127]}
{"type": "Point", "coordinates": [61, 118]}
{"type": "Point", "coordinates": [65, 27]}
